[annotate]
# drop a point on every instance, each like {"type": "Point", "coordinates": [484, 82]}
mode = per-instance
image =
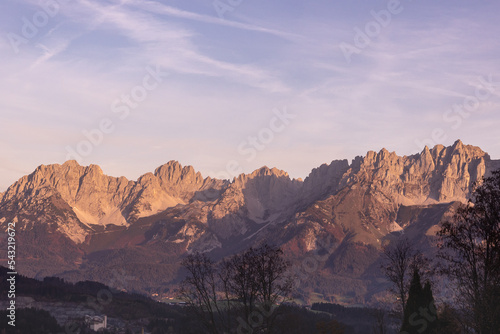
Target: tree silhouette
{"type": "Point", "coordinates": [199, 289]}
{"type": "Point", "coordinates": [420, 315]}
{"type": "Point", "coordinates": [237, 293]}
{"type": "Point", "coordinates": [470, 244]}
{"type": "Point", "coordinates": [257, 279]}
{"type": "Point", "coordinates": [401, 259]}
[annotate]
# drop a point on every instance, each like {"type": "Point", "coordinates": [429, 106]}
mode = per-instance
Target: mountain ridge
{"type": "Point", "coordinates": [98, 199]}
{"type": "Point", "coordinates": [74, 220]}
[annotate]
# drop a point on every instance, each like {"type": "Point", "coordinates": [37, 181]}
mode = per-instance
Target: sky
{"type": "Point", "coordinates": [228, 86]}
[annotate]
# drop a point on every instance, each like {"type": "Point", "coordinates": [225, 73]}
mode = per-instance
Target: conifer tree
{"type": "Point", "coordinates": [429, 309]}
{"type": "Point", "coordinates": [420, 313]}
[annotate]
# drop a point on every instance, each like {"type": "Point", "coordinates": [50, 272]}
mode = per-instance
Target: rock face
{"type": "Point", "coordinates": [97, 199]}
{"type": "Point", "coordinates": [87, 220]}
{"type": "Point", "coordinates": [363, 198]}
{"type": "Point", "coordinates": [442, 174]}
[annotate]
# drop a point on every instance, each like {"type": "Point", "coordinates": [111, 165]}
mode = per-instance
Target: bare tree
{"type": "Point", "coordinates": [401, 260]}
{"type": "Point", "coordinates": [258, 278]}
{"type": "Point", "coordinates": [200, 289]}
{"type": "Point", "coordinates": [471, 248]}
{"type": "Point", "coordinates": [240, 278]}
{"type": "Point", "coordinates": [238, 290]}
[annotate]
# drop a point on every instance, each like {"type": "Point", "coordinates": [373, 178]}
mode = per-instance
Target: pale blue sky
{"type": "Point", "coordinates": [67, 65]}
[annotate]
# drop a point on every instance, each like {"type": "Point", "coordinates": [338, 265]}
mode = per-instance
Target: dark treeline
{"type": "Point", "coordinates": [30, 320]}
{"type": "Point", "coordinates": [357, 319]}
{"type": "Point", "coordinates": [250, 292]}
{"type": "Point", "coordinates": [160, 317]}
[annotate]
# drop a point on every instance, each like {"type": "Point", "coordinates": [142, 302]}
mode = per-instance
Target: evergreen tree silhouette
{"type": "Point", "coordinates": [429, 309]}
{"type": "Point", "coordinates": [420, 313]}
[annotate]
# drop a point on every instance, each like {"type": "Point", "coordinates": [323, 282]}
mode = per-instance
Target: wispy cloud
{"type": "Point", "coordinates": [49, 53]}
{"type": "Point", "coordinates": [158, 8]}
{"type": "Point", "coordinates": [171, 46]}
{"type": "Point", "coordinates": [226, 76]}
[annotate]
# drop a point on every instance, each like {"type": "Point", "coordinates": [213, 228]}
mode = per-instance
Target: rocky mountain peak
{"type": "Point", "coordinates": [173, 173]}
{"type": "Point", "coordinates": [94, 170]}
{"type": "Point", "coordinates": [440, 174]}
{"type": "Point", "coordinates": [323, 180]}
{"type": "Point", "coordinates": [185, 182]}
{"type": "Point", "coordinates": [259, 196]}
{"type": "Point", "coordinates": [147, 179]}
{"type": "Point", "coordinates": [264, 171]}
{"type": "Point", "coordinates": [426, 159]}
{"type": "Point", "coordinates": [71, 164]}
{"type": "Point", "coordinates": [458, 145]}
{"type": "Point", "coordinates": [470, 151]}
{"type": "Point", "coordinates": [467, 152]}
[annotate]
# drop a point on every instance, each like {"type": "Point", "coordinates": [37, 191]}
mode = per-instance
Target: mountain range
{"type": "Point", "coordinates": [76, 222]}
